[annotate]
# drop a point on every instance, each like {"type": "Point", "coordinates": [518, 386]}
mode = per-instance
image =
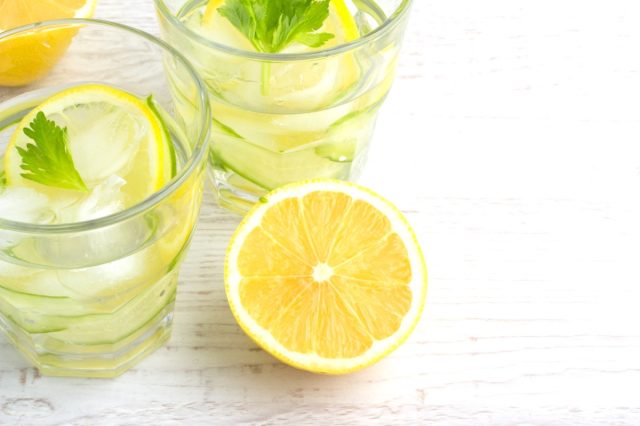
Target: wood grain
{"type": "Point", "coordinates": [510, 140]}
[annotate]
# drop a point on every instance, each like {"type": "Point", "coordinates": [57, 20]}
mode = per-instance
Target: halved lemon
{"type": "Point", "coordinates": [25, 58]}
{"type": "Point", "coordinates": [326, 275]}
{"type": "Point", "coordinates": [110, 133]}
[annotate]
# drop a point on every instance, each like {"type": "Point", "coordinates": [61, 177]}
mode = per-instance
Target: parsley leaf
{"type": "Point", "coordinates": [49, 161]}
{"type": "Point", "coordinates": [272, 25]}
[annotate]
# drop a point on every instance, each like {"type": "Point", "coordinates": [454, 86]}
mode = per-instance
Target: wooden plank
{"type": "Point", "coordinates": [510, 139]}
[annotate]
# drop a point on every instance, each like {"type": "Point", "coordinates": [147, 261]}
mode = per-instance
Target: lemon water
{"type": "Point", "coordinates": [90, 303]}
{"type": "Point", "coordinates": [276, 122]}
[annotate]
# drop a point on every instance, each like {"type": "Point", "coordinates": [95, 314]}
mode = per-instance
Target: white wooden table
{"type": "Point", "coordinates": [512, 142]}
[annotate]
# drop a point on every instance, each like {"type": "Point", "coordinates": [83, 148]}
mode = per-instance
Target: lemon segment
{"type": "Point", "coordinates": [326, 275]}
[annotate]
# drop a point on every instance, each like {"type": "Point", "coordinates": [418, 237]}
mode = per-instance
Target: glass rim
{"type": "Point", "coordinates": [199, 151]}
{"type": "Point", "coordinates": [387, 26]}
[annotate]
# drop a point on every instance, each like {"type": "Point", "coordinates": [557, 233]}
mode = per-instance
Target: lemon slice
{"type": "Point", "coordinates": [25, 58]}
{"type": "Point", "coordinates": [316, 83]}
{"type": "Point", "coordinates": [326, 275]}
{"type": "Point", "coordinates": [340, 23]}
{"type": "Point", "coordinates": [116, 141]}
{"type": "Point", "coordinates": [348, 24]}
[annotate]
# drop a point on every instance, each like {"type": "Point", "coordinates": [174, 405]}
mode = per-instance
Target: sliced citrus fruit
{"type": "Point", "coordinates": [326, 275]}
{"type": "Point", "coordinates": [115, 139]}
{"type": "Point", "coordinates": [211, 10]}
{"type": "Point", "coordinates": [340, 23]}
{"type": "Point", "coordinates": [345, 18]}
{"type": "Point", "coordinates": [27, 57]}
{"type": "Point", "coordinates": [317, 84]}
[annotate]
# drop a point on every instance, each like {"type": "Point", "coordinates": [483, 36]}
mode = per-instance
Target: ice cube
{"type": "Point", "coordinates": [22, 205]}
{"type": "Point", "coordinates": [100, 244]}
{"type": "Point", "coordinates": [103, 142]}
{"type": "Point", "coordinates": [105, 199]}
{"type": "Point", "coordinates": [108, 281]}
{"type": "Point", "coordinates": [25, 205]}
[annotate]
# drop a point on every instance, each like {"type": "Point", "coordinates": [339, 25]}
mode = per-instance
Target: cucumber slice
{"type": "Point", "coordinates": [339, 152]}
{"type": "Point", "coordinates": [269, 169]}
{"type": "Point", "coordinates": [29, 322]}
{"type": "Point", "coordinates": [347, 136]}
{"type": "Point", "coordinates": [106, 329]}
{"type": "Point", "coordinates": [171, 168]}
{"type": "Point", "coordinates": [66, 318]}
{"type": "Point", "coordinates": [330, 157]}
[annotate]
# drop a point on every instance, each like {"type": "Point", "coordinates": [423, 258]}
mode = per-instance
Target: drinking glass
{"type": "Point", "coordinates": [285, 117]}
{"type": "Point", "coordinates": [93, 298]}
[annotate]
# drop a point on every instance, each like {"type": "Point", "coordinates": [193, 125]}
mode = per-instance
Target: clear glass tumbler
{"type": "Point", "coordinates": [92, 298]}
{"type": "Point", "coordinates": [285, 117]}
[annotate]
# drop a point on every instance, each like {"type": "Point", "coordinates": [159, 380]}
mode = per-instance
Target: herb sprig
{"type": "Point", "coordinates": [48, 160]}
{"type": "Point", "coordinates": [272, 25]}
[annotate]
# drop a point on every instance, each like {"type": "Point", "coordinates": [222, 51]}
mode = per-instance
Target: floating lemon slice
{"type": "Point", "coordinates": [326, 275]}
{"type": "Point", "coordinates": [346, 20]}
{"type": "Point", "coordinates": [111, 133]}
{"type": "Point", "coordinates": [339, 18]}
{"type": "Point", "coordinates": [25, 58]}
{"type": "Point", "coordinates": [291, 85]}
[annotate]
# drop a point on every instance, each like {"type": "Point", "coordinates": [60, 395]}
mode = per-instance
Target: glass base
{"type": "Point", "coordinates": [105, 364]}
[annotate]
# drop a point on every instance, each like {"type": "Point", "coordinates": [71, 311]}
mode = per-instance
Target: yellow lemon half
{"type": "Point", "coordinates": [27, 57]}
{"type": "Point", "coordinates": [326, 275]}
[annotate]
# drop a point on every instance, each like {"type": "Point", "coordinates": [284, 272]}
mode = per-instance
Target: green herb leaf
{"type": "Point", "coordinates": [49, 161]}
{"type": "Point", "coordinates": [272, 25]}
